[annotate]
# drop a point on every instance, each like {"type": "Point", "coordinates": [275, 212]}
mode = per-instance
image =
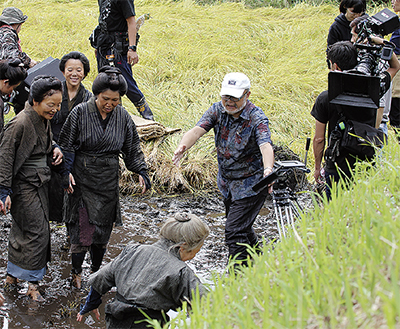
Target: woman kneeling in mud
{"type": "Point", "coordinates": [152, 278]}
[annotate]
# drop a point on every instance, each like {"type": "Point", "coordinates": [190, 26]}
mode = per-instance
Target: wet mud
{"type": "Point", "coordinates": [142, 217]}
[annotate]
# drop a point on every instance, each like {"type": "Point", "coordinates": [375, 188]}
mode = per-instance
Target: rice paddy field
{"type": "Point", "coordinates": [185, 50]}
{"type": "Point", "coordinates": [340, 266]}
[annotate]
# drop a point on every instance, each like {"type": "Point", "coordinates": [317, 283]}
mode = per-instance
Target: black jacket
{"type": "Point", "coordinates": [339, 30]}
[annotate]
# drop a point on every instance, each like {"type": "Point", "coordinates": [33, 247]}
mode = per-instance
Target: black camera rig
{"type": "Point", "coordinates": [284, 199]}
{"type": "Point", "coordinates": [371, 57]}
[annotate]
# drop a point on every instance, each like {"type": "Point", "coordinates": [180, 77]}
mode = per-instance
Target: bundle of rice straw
{"type": "Point", "coordinates": [149, 129]}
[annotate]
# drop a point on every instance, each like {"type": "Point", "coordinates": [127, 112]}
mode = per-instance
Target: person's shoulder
{"type": "Point", "coordinates": [323, 95]}
{"type": "Point", "coordinates": [80, 108]}
{"type": "Point", "coordinates": [321, 106]}
{"type": "Point", "coordinates": [254, 111]}
{"type": "Point", "coordinates": [123, 113]}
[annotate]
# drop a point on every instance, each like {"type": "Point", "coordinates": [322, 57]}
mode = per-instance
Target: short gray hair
{"type": "Point", "coordinates": [185, 228]}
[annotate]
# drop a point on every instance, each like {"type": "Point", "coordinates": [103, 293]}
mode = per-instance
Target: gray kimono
{"type": "Point", "coordinates": [146, 276]}
{"type": "Point", "coordinates": [26, 143]}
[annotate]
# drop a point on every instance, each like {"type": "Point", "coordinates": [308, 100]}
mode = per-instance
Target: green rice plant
{"type": "Point", "coordinates": [338, 269]}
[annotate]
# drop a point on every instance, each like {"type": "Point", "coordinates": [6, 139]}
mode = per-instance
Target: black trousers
{"type": "Point", "coordinates": [394, 115]}
{"type": "Point", "coordinates": [240, 217]}
{"type": "Point", "coordinates": [135, 320]}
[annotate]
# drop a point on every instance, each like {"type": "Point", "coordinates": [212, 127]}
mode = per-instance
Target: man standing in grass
{"type": "Point", "coordinates": [245, 156]}
{"type": "Point", "coordinates": [342, 56]}
{"type": "Point", "coordinates": [115, 42]}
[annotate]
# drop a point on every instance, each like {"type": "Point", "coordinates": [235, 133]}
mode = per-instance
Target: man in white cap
{"type": "Point", "coordinates": [11, 21]}
{"type": "Point", "coordinates": [245, 156]}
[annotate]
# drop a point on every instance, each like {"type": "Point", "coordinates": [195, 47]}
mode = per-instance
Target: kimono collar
{"type": "Point", "coordinates": [168, 245]}
{"type": "Point", "coordinates": [92, 105]}
{"type": "Point", "coordinates": [34, 116]}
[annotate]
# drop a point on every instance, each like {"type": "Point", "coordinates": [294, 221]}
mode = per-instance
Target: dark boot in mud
{"type": "Point", "coordinates": [76, 281]}
{"type": "Point", "coordinates": [33, 292]}
{"type": "Point", "coordinates": [10, 283]}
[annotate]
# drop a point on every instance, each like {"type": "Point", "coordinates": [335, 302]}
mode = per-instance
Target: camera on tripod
{"type": "Point", "coordinates": [286, 207]}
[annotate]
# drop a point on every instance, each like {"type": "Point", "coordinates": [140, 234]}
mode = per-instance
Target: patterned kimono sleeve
{"type": "Point", "coordinates": [132, 152]}
{"type": "Point", "coordinates": [88, 95]}
{"type": "Point", "coordinates": [69, 136]}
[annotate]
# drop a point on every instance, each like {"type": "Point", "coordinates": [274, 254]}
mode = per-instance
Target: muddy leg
{"type": "Point", "coordinates": [96, 253]}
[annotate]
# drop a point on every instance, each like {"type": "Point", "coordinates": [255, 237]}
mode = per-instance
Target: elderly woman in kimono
{"type": "Point", "coordinates": [75, 67]}
{"type": "Point", "coordinates": [150, 278]}
{"type": "Point", "coordinates": [92, 138]}
{"type": "Point", "coordinates": [25, 152]}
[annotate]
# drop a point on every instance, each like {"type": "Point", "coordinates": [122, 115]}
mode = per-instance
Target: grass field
{"type": "Point", "coordinates": [340, 267]}
{"type": "Point", "coordinates": [186, 49]}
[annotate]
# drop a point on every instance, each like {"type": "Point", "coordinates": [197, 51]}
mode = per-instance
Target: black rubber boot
{"type": "Point", "coordinates": [144, 109]}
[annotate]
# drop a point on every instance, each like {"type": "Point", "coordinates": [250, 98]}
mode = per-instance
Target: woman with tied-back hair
{"type": "Point", "coordinates": [12, 73]}
{"type": "Point", "coordinates": [75, 67]}
{"type": "Point", "coordinates": [150, 278]}
{"type": "Point", "coordinates": [25, 152]}
{"type": "Point", "coordinates": [93, 136]}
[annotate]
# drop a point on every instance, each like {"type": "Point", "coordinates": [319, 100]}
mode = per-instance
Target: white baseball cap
{"type": "Point", "coordinates": [234, 84]}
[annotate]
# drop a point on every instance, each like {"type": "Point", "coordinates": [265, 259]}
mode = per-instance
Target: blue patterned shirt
{"type": "Point", "coordinates": [238, 144]}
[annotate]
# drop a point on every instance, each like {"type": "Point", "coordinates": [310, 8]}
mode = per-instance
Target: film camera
{"type": "Point", "coordinates": [357, 92]}
{"type": "Point", "coordinates": [370, 56]}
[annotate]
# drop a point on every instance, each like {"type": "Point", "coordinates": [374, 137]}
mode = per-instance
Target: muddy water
{"type": "Point", "coordinates": [142, 218]}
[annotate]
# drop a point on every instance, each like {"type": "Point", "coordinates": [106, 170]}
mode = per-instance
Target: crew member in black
{"type": "Point", "coordinates": [115, 40]}
{"type": "Point", "coordinates": [342, 56]}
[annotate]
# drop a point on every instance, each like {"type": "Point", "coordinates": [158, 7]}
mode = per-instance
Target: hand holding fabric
{"type": "Point", "coordinates": [57, 156]}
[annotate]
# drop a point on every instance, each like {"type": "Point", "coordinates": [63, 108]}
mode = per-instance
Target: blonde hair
{"type": "Point", "coordinates": [185, 228]}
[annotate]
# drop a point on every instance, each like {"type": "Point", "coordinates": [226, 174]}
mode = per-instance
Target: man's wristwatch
{"type": "Point", "coordinates": [132, 48]}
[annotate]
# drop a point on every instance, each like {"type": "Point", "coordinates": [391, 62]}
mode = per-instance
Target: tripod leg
{"type": "Point", "coordinates": [295, 207]}
{"type": "Point", "coordinates": [278, 217]}
{"type": "Point", "coordinates": [291, 219]}
{"type": "Point", "coordinates": [282, 222]}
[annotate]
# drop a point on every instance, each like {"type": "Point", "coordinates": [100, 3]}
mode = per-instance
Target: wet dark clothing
{"type": "Point", "coordinates": [394, 115]}
{"type": "Point", "coordinates": [56, 195]}
{"type": "Point", "coordinates": [26, 144]}
{"type": "Point", "coordinates": [240, 217]}
{"type": "Point", "coordinates": [10, 45]}
{"type": "Point", "coordinates": [339, 31]}
{"type": "Point", "coordinates": [150, 277]}
{"type": "Point", "coordinates": [94, 206]}
{"type": "Point", "coordinates": [112, 20]}
{"type": "Point", "coordinates": [67, 105]}
{"type": "Point", "coordinates": [1, 118]}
